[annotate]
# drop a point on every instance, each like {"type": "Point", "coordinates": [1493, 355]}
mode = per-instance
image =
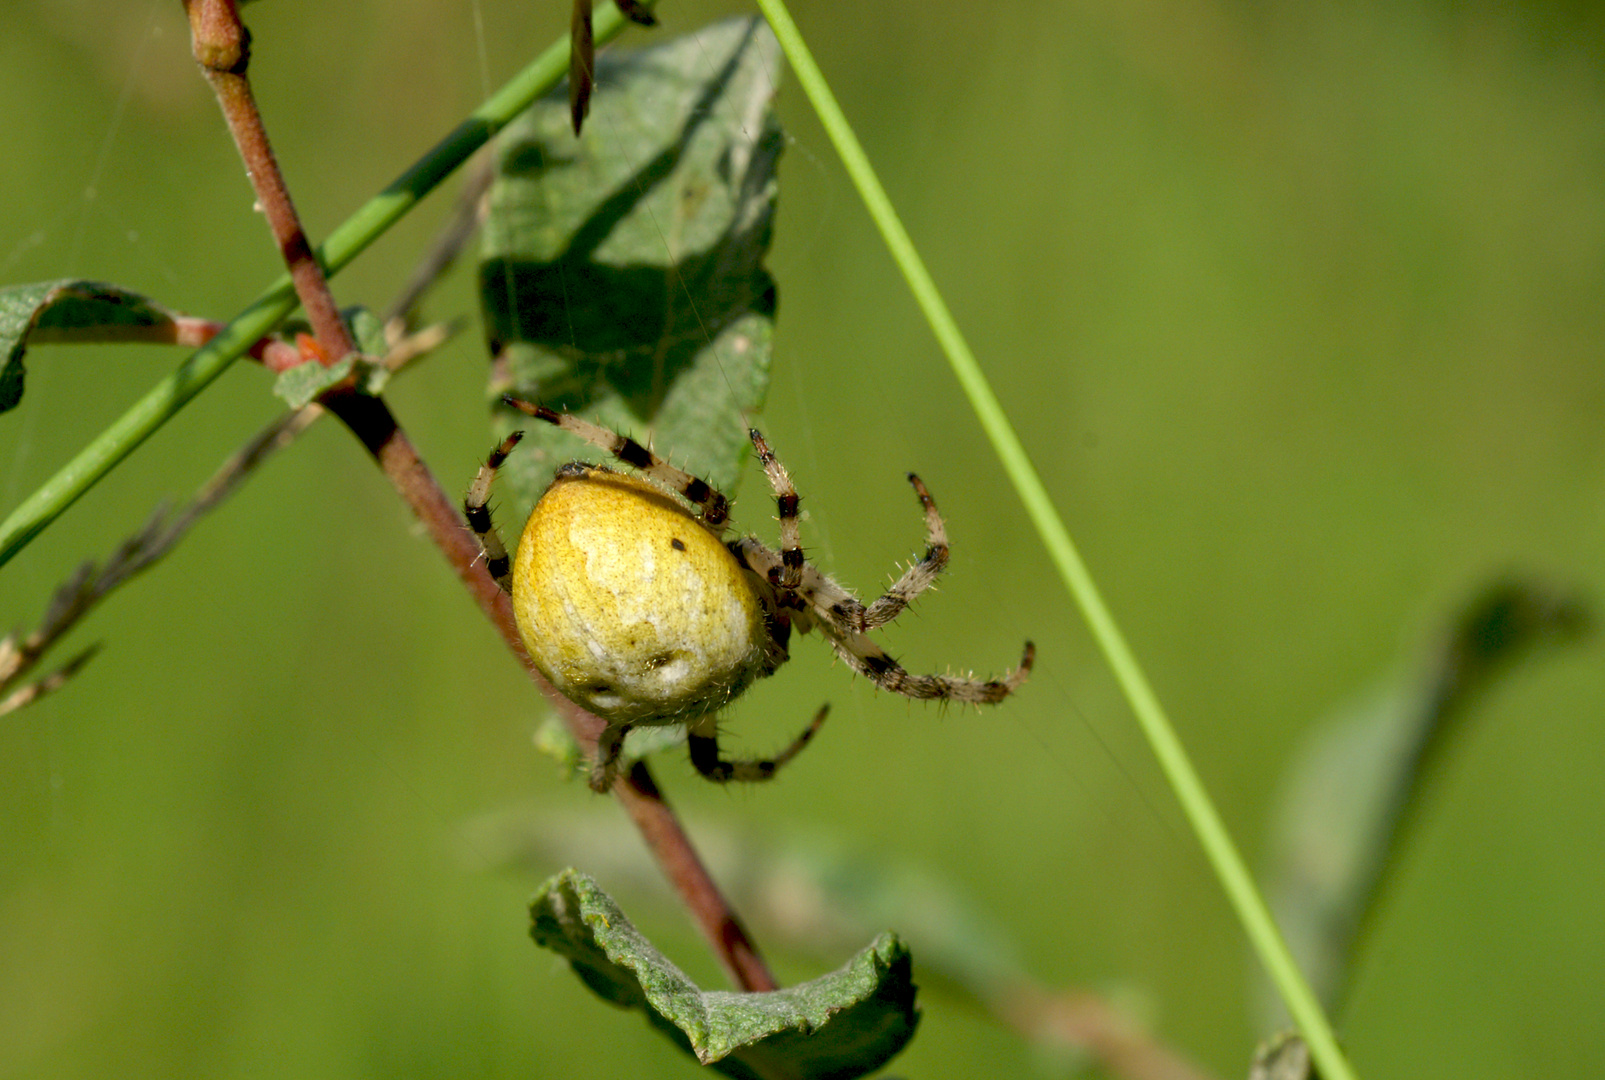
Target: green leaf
{"type": "Point", "coordinates": [71, 310]}
{"type": "Point", "coordinates": [367, 330]}
{"type": "Point", "coordinates": [623, 271]}
{"type": "Point", "coordinates": [842, 1025]}
{"type": "Point", "coordinates": [555, 739]}
{"type": "Point", "coordinates": [300, 384]}
{"type": "Point", "coordinates": [1351, 795]}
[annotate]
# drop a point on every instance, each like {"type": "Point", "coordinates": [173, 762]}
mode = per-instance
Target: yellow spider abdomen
{"type": "Point", "coordinates": [631, 607]}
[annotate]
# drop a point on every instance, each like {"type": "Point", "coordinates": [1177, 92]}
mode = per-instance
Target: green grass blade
{"type": "Point", "coordinates": [172, 393]}
{"type": "Point", "coordinates": [1196, 803]}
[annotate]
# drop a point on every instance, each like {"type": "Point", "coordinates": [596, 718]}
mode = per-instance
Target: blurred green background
{"type": "Point", "coordinates": [1297, 307]}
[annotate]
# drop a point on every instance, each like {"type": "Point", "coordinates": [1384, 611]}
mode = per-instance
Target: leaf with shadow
{"type": "Point", "coordinates": [622, 275]}
{"type": "Point", "coordinates": [71, 311]}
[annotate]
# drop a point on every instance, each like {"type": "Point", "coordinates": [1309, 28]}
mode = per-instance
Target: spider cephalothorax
{"type": "Point", "coordinates": [637, 609]}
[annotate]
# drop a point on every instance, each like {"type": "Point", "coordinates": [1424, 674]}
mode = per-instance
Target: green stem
{"type": "Point", "coordinates": [1190, 792]}
{"type": "Point", "coordinates": [170, 395]}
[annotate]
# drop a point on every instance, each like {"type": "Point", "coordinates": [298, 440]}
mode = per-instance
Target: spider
{"type": "Point", "coordinates": [636, 608]}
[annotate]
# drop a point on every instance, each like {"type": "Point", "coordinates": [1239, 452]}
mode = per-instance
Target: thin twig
{"type": "Point", "coordinates": [79, 594]}
{"type": "Point", "coordinates": [189, 331]}
{"type": "Point", "coordinates": [683, 867]}
{"type": "Point", "coordinates": [372, 422]}
{"type": "Point", "coordinates": [367, 223]}
{"type": "Point", "coordinates": [222, 47]}
{"type": "Point", "coordinates": [466, 217]}
{"type": "Point", "coordinates": [27, 695]}
{"type": "Point", "coordinates": [71, 601]}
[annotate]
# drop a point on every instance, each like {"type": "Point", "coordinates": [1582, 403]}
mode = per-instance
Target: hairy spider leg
{"type": "Point", "coordinates": [704, 745]}
{"type": "Point", "coordinates": [796, 593]}
{"type": "Point", "coordinates": [713, 506]}
{"type": "Point", "coordinates": [871, 661]}
{"type": "Point", "coordinates": [786, 503]}
{"type": "Point", "coordinates": [476, 507]}
{"type": "Point", "coordinates": [796, 582]}
{"type": "Point", "coordinates": [847, 611]}
{"type": "Point", "coordinates": [812, 604]}
{"type": "Point", "coordinates": [609, 745]}
{"type": "Point", "coordinates": [918, 577]}
{"type": "Point", "coordinates": [816, 596]}
{"type": "Point", "coordinates": [703, 741]}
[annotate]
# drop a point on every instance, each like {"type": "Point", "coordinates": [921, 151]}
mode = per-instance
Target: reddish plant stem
{"type": "Point", "coordinates": [190, 331]}
{"type": "Point", "coordinates": [372, 422]}
{"type": "Point", "coordinates": [222, 47]}
{"type": "Point", "coordinates": [683, 867]}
